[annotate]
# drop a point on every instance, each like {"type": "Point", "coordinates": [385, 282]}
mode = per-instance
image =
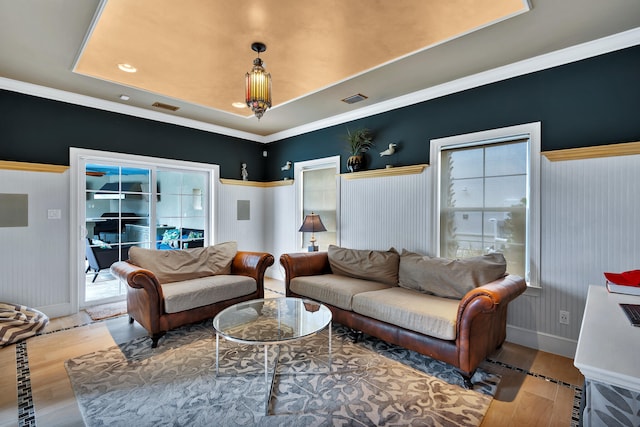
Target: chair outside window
{"type": "Point", "coordinates": [100, 256]}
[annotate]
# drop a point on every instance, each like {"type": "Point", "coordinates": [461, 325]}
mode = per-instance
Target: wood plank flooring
{"type": "Point", "coordinates": [537, 388]}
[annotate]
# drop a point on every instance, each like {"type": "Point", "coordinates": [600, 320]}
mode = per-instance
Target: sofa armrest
{"type": "Point", "coordinates": [144, 293]}
{"type": "Point", "coordinates": [252, 264]}
{"type": "Point", "coordinates": [304, 264]}
{"type": "Point", "coordinates": [137, 277]}
{"type": "Point", "coordinates": [500, 291]}
{"type": "Point", "coordinates": [482, 319]}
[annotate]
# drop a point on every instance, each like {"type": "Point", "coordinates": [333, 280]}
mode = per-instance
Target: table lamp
{"type": "Point", "coordinates": [312, 223]}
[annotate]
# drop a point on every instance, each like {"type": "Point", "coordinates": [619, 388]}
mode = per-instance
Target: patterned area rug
{"type": "Point", "coordinates": [368, 383]}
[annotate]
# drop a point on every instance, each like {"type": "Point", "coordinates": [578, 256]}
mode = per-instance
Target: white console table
{"type": "Point", "coordinates": [608, 355]}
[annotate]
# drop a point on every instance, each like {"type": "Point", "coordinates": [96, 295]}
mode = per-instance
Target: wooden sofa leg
{"type": "Point", "coordinates": [467, 381]}
{"type": "Point", "coordinates": [357, 336]}
{"type": "Point", "coordinates": [130, 320]}
{"type": "Point", "coordinates": [155, 338]}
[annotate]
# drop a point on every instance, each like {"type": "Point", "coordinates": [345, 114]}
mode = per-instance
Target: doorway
{"type": "Point", "coordinates": [318, 191]}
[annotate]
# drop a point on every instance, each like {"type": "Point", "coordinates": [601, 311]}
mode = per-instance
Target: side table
{"type": "Point", "coordinates": [608, 355]}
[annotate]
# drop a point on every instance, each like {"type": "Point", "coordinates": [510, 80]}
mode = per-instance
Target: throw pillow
{"type": "Point", "coordinates": [176, 265]}
{"type": "Point", "coordinates": [379, 266]}
{"type": "Point", "coordinates": [449, 278]}
{"type": "Point", "coordinates": [103, 245]}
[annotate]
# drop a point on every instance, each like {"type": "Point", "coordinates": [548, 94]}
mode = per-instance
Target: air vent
{"type": "Point", "coordinates": [165, 106]}
{"type": "Point", "coordinates": [354, 98]}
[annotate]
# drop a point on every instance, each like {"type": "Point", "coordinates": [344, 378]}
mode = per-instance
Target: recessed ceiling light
{"type": "Point", "coordinates": [127, 68]}
{"type": "Point", "coordinates": [239, 104]}
{"type": "Point", "coordinates": [124, 97]}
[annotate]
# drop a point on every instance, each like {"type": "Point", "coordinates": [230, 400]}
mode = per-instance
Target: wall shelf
{"type": "Point", "coordinates": [397, 171]}
{"type": "Point", "coordinates": [32, 167]}
{"type": "Point", "coordinates": [228, 181]}
{"type": "Point", "coordinates": [621, 149]}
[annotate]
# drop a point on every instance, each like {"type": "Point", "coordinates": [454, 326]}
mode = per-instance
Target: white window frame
{"type": "Point", "coordinates": [531, 131]}
{"type": "Point", "coordinates": [298, 169]}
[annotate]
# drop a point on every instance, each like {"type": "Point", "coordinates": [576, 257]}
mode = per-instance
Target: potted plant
{"type": "Point", "coordinates": [359, 142]}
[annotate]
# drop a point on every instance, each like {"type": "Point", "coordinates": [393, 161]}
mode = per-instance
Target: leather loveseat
{"type": "Point", "coordinates": [393, 297]}
{"type": "Point", "coordinates": [170, 288]}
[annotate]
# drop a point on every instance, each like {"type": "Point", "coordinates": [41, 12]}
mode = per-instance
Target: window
{"type": "Point", "coordinates": [317, 192]}
{"type": "Point", "coordinates": [487, 196]}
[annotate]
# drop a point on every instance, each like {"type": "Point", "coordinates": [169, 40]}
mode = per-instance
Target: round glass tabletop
{"type": "Point", "coordinates": [272, 320]}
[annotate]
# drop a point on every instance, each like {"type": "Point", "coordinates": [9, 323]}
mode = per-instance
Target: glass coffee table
{"type": "Point", "coordinates": [271, 321]}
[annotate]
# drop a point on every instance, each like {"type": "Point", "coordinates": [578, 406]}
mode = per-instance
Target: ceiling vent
{"type": "Point", "coordinates": [354, 98]}
{"type": "Point", "coordinates": [165, 106]}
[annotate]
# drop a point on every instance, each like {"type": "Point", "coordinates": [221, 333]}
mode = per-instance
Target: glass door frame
{"type": "Point", "coordinates": [78, 159]}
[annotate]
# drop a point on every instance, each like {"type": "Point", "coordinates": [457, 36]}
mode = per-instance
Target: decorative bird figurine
{"type": "Point", "coordinates": [389, 151]}
{"type": "Point", "coordinates": [286, 167]}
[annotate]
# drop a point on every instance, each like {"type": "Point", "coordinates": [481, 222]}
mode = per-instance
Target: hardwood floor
{"type": "Point", "coordinates": [537, 388]}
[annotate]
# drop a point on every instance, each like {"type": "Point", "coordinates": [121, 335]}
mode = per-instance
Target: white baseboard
{"type": "Point", "coordinates": [542, 341]}
{"type": "Point", "coordinates": [56, 310]}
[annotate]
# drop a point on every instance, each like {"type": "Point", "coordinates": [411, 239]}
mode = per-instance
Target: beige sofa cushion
{"type": "Point", "coordinates": [449, 278]}
{"type": "Point", "coordinates": [188, 294]}
{"type": "Point", "coordinates": [332, 288]}
{"type": "Point", "coordinates": [177, 265]}
{"type": "Point", "coordinates": [426, 314]}
{"type": "Point", "coordinates": [380, 266]}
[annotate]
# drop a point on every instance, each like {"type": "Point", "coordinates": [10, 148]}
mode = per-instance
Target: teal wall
{"type": "Point", "coordinates": [591, 102]}
{"type": "Point", "coordinates": [40, 130]}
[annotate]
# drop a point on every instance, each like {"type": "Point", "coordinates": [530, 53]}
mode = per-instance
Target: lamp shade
{"type": "Point", "coordinates": [312, 223]}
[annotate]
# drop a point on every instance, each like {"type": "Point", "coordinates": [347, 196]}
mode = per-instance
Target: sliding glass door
{"type": "Point", "coordinates": [117, 214]}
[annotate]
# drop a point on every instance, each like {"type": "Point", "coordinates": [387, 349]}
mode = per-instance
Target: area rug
{"type": "Point", "coordinates": [369, 383]}
{"type": "Point", "coordinates": [105, 311]}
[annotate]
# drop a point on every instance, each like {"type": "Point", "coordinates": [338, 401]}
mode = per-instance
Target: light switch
{"type": "Point", "coordinates": [54, 214]}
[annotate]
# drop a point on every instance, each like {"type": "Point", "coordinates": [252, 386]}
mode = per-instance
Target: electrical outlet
{"type": "Point", "coordinates": [54, 214]}
{"type": "Point", "coordinates": [564, 317]}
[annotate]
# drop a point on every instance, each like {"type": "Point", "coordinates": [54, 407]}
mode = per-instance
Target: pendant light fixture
{"type": "Point", "coordinates": [258, 84]}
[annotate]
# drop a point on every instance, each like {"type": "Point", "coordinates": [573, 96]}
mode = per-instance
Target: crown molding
{"type": "Point", "coordinates": [560, 57]}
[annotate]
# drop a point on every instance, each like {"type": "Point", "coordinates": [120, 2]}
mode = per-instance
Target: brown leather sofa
{"type": "Point", "coordinates": [480, 327]}
{"type": "Point", "coordinates": [146, 300]}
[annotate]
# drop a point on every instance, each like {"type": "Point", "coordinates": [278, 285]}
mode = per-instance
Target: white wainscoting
{"type": "Point", "coordinates": [383, 212]}
{"type": "Point", "coordinates": [589, 226]}
{"type": "Point", "coordinates": [248, 233]}
{"type": "Point", "coordinates": [281, 227]}
{"type": "Point", "coordinates": [34, 260]}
